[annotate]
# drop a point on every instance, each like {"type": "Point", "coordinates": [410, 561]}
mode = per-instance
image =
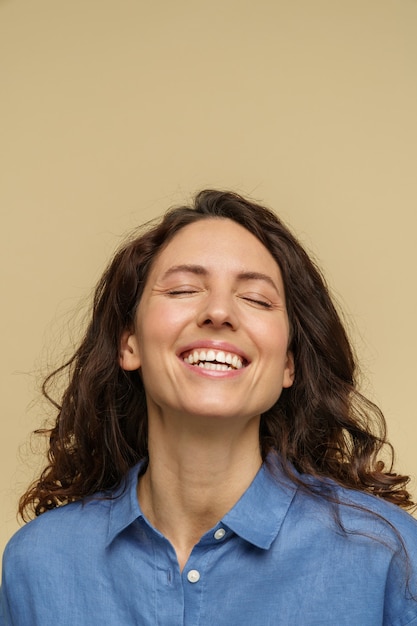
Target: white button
{"type": "Point", "coordinates": [193, 576]}
{"type": "Point", "coordinates": [220, 533]}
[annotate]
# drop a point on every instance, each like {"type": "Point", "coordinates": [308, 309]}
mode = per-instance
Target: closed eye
{"type": "Point", "coordinates": [258, 302]}
{"type": "Point", "coordinates": [181, 292]}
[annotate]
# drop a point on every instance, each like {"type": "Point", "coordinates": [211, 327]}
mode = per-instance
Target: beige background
{"type": "Point", "coordinates": [112, 110]}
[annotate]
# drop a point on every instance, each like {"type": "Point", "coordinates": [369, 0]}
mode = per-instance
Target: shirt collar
{"type": "Point", "coordinates": [124, 505]}
{"type": "Point", "coordinates": [256, 517]}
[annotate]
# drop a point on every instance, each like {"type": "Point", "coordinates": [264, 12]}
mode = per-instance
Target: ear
{"type": "Point", "coordinates": [129, 358]}
{"type": "Point", "coordinates": [289, 371]}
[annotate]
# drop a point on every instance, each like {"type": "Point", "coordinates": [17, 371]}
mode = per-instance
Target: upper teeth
{"type": "Point", "coordinates": [199, 356]}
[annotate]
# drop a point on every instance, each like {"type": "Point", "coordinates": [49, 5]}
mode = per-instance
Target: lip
{"type": "Point", "coordinates": [214, 345]}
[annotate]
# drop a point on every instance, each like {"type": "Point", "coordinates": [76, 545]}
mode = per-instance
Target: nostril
{"type": "Point", "coordinates": [217, 317]}
{"type": "Point", "coordinates": [210, 322]}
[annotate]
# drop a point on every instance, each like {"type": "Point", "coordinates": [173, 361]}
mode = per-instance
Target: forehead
{"type": "Point", "coordinates": [221, 245]}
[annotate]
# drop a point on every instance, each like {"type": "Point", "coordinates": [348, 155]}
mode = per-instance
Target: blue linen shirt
{"type": "Point", "coordinates": [277, 558]}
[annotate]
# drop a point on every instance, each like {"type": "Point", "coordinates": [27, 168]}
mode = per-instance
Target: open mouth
{"type": "Point", "coordinates": [214, 360]}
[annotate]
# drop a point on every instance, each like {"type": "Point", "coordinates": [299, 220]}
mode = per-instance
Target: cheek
{"type": "Point", "coordinates": [158, 330]}
{"type": "Point", "coordinates": [275, 338]}
{"type": "Point", "coordinates": [165, 322]}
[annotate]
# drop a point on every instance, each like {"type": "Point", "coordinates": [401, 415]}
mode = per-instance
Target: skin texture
{"type": "Point", "coordinates": [213, 287]}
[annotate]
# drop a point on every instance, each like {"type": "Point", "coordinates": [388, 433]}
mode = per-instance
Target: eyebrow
{"type": "Point", "coordinates": [199, 270]}
{"type": "Point", "coordinates": [191, 269]}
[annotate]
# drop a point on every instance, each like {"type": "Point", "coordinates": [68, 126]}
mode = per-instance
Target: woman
{"type": "Point", "coordinates": [216, 462]}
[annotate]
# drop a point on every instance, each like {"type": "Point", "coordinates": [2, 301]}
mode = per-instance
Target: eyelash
{"type": "Point", "coordinates": [180, 292]}
{"type": "Point", "coordinates": [263, 303]}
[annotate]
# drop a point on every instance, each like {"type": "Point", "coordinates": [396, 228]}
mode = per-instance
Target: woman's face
{"type": "Point", "coordinates": [211, 333]}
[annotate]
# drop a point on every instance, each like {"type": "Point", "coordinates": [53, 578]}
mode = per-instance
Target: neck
{"type": "Point", "coordinates": [194, 478]}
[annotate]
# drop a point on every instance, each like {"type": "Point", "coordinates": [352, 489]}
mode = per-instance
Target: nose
{"type": "Point", "coordinates": [218, 311]}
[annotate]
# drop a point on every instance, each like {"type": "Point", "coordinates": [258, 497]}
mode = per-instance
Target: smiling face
{"type": "Point", "coordinates": [211, 330]}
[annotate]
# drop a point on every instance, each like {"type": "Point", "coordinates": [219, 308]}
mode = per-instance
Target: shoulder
{"type": "Point", "coordinates": [44, 560]}
{"type": "Point", "coordinates": [80, 528]}
{"type": "Point", "coordinates": [354, 499]}
{"type": "Point", "coordinates": [57, 532]}
{"type": "Point", "coordinates": [360, 505]}
{"type": "Point", "coordinates": [325, 503]}
{"type": "Point", "coordinates": [374, 540]}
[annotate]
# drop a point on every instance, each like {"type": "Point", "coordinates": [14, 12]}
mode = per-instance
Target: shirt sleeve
{"type": "Point", "coordinates": [401, 585]}
{"type": "Point", "coordinates": [5, 617]}
{"type": "Point", "coordinates": [10, 593]}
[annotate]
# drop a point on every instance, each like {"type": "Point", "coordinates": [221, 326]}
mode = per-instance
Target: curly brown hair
{"type": "Point", "coordinates": [322, 425]}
